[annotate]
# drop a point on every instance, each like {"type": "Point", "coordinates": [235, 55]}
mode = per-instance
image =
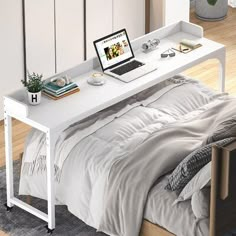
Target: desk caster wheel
{"type": "Point", "coordinates": [8, 209]}
{"type": "Point", "coordinates": [49, 231]}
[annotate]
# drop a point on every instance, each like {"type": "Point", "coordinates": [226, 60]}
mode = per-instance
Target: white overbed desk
{"type": "Point", "coordinates": [52, 117]}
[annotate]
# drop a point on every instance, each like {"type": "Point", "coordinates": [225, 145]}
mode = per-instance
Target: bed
{"type": "Point", "coordinates": [118, 162]}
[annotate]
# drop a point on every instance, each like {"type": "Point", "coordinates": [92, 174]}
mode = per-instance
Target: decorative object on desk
{"type": "Point", "coordinates": [55, 91]}
{"type": "Point", "coordinates": [211, 10]}
{"type": "Point", "coordinates": [190, 43]}
{"type": "Point", "coordinates": [186, 46]}
{"type": "Point", "coordinates": [168, 53]}
{"type": "Point", "coordinates": [150, 45]}
{"type": "Point", "coordinates": [96, 79]}
{"type": "Point", "coordinates": [62, 81]}
{"type": "Point", "coordinates": [34, 85]}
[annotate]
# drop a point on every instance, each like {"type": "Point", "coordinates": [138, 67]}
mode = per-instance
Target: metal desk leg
{"type": "Point", "coordinates": [50, 140]}
{"type": "Point", "coordinates": [9, 161]}
{"type": "Point", "coordinates": [222, 71]}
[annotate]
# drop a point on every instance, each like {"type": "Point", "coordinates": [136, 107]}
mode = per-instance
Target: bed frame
{"type": "Point", "coordinates": [223, 195]}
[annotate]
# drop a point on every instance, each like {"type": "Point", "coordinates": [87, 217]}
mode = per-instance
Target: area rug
{"type": "Point", "coordinates": [20, 223]}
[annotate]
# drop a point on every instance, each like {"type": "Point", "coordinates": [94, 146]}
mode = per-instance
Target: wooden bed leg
{"type": "Point", "coordinates": [28, 198]}
{"type": "Point", "coordinates": [223, 191]}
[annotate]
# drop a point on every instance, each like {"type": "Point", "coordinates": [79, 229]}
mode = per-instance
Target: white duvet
{"type": "Point", "coordinates": [181, 218]}
{"type": "Point", "coordinates": [85, 152]}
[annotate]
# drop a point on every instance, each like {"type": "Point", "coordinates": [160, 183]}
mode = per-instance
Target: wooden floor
{"type": "Point", "coordinates": [19, 133]}
{"type": "Point", "coordinates": [3, 234]}
{"type": "Point", "coordinates": [223, 32]}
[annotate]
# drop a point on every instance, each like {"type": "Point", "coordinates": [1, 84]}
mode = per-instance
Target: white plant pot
{"type": "Point", "coordinates": [34, 98]}
{"type": "Point", "coordinates": [207, 12]}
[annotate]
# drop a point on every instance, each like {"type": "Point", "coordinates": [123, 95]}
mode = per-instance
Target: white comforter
{"type": "Point", "coordinates": [181, 219]}
{"type": "Point", "coordinates": [86, 152]}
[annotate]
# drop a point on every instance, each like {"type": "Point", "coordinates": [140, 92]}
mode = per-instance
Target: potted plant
{"type": "Point", "coordinates": [34, 86]}
{"type": "Point", "coordinates": [211, 10]}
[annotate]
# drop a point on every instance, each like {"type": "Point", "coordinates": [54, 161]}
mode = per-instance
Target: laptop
{"type": "Point", "coordinates": [117, 58]}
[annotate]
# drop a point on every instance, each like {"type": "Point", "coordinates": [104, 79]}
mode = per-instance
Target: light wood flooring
{"type": "Point", "coordinates": [3, 234]}
{"type": "Point", "coordinates": [19, 133]}
{"type": "Point", "coordinates": [223, 32]}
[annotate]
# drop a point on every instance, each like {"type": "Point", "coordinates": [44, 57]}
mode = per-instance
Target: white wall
{"type": "Point", "coordinates": [11, 48]}
{"type": "Point", "coordinates": [164, 12]}
{"type": "Point", "coordinates": [133, 17]}
{"type": "Point", "coordinates": [40, 40]}
{"type": "Point", "coordinates": [176, 10]}
{"type": "Point", "coordinates": [107, 16]}
{"type": "Point", "coordinates": [69, 33]}
{"type": "Point", "coordinates": [98, 22]}
{"type": "Point", "coordinates": [54, 42]}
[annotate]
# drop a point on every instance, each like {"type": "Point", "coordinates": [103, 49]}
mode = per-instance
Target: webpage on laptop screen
{"type": "Point", "coordinates": [114, 49]}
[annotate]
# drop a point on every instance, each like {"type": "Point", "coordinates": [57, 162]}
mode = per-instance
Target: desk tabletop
{"type": "Point", "coordinates": [91, 99]}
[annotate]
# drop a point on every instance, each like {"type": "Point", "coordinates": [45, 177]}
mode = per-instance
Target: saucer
{"type": "Point", "coordinates": [95, 82]}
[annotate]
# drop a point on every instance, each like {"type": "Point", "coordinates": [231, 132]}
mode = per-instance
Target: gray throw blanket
{"type": "Point", "coordinates": [132, 177]}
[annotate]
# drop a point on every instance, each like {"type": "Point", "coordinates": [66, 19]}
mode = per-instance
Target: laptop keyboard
{"type": "Point", "coordinates": [127, 67]}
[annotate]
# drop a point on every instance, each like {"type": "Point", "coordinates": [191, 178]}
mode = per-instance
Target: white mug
{"type": "Point", "coordinates": [97, 77]}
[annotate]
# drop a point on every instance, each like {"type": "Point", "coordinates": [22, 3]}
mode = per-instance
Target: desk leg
{"type": "Point", "coordinates": [222, 71]}
{"type": "Point", "coordinates": [50, 180]}
{"type": "Point", "coordinates": [9, 160]}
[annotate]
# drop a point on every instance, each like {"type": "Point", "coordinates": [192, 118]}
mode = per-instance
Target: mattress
{"type": "Point", "coordinates": [178, 219]}
{"type": "Point", "coordinates": [86, 165]}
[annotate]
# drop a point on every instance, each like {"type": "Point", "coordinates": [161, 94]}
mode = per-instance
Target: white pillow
{"type": "Point", "coordinates": [199, 181]}
{"type": "Point", "coordinates": [200, 203]}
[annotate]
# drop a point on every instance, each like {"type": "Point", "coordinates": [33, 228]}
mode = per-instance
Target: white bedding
{"type": "Point", "coordinates": [181, 219]}
{"type": "Point", "coordinates": [85, 162]}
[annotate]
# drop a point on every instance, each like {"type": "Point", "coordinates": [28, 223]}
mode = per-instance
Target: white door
{"type": "Point", "coordinates": [129, 14]}
{"type": "Point", "coordinates": [69, 33]}
{"type": "Point", "coordinates": [40, 40]}
{"type": "Point", "coordinates": [98, 22]}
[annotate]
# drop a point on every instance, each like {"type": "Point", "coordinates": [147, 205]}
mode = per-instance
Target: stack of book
{"type": "Point", "coordinates": [56, 92]}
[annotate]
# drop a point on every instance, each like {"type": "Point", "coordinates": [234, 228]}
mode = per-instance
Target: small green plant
{"type": "Point", "coordinates": [34, 84]}
{"type": "Point", "coordinates": [212, 2]}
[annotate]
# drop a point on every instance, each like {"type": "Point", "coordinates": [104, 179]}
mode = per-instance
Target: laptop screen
{"type": "Point", "coordinates": [113, 49]}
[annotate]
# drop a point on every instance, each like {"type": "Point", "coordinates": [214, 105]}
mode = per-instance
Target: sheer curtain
{"type": "Point", "coordinates": [232, 3]}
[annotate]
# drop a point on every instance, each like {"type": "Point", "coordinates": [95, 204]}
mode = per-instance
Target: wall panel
{"type": "Point", "coordinates": [11, 48]}
{"type": "Point", "coordinates": [69, 33]}
{"type": "Point", "coordinates": [98, 22]}
{"type": "Point", "coordinates": [129, 14]}
{"type": "Point", "coordinates": [40, 40]}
